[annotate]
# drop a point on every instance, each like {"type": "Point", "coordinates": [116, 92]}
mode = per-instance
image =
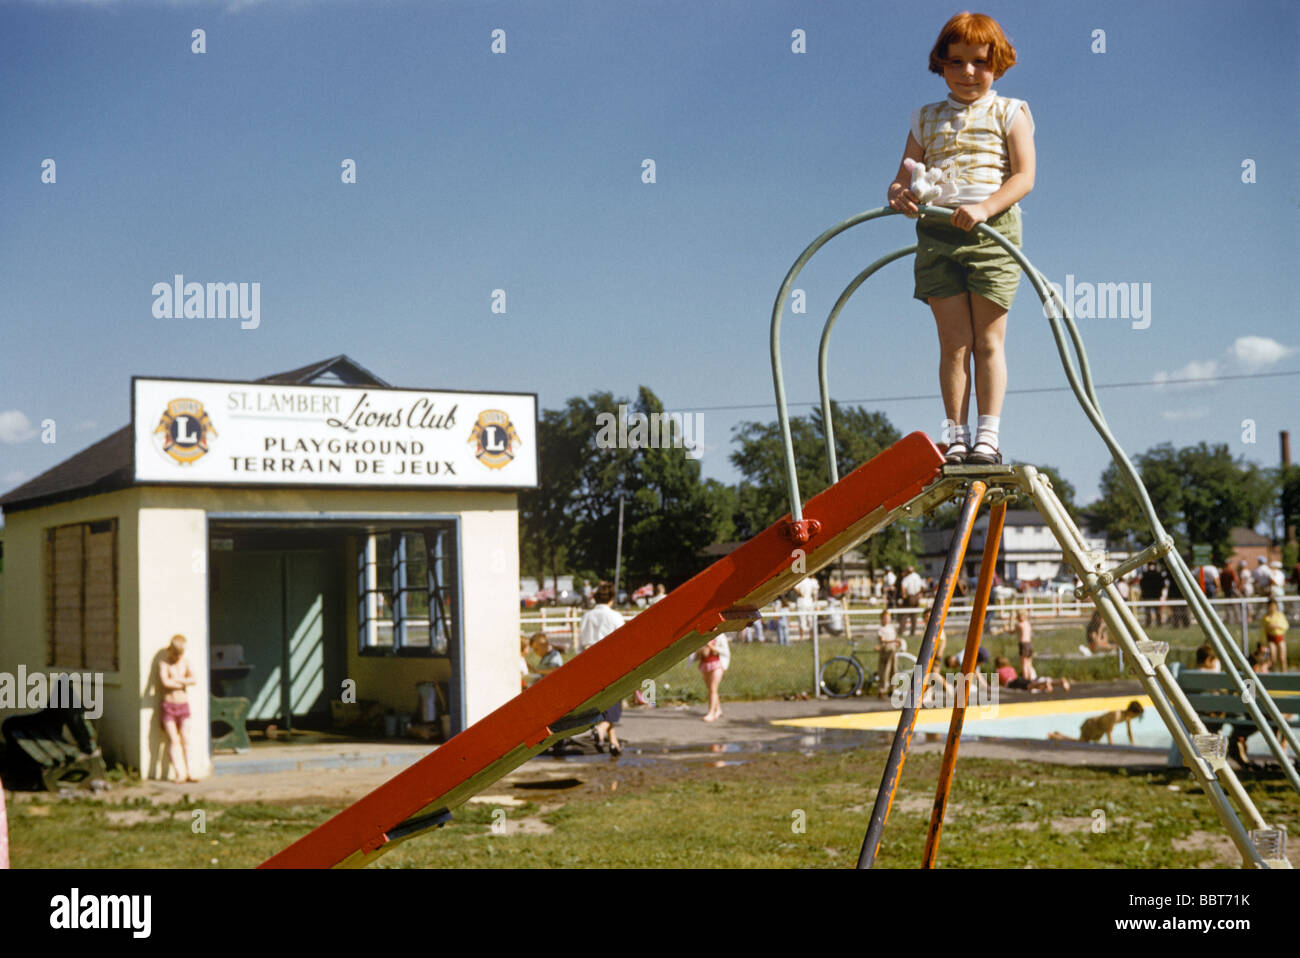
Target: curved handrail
{"type": "Point", "coordinates": [782, 414]}
{"type": "Point", "coordinates": [824, 348]}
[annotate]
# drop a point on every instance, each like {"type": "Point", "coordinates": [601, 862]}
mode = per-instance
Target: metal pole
{"type": "Point", "coordinates": [618, 553]}
{"type": "Point", "coordinates": [924, 661]}
{"type": "Point", "coordinates": [817, 656]}
{"type": "Point", "coordinates": [969, 663]}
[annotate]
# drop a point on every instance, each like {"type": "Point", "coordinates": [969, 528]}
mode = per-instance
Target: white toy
{"type": "Point", "coordinates": [932, 187]}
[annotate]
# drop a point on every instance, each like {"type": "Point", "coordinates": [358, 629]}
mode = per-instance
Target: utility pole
{"type": "Point", "coordinates": [618, 552]}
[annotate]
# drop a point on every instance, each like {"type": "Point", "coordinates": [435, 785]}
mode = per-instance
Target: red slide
{"type": "Point", "coordinates": [723, 598]}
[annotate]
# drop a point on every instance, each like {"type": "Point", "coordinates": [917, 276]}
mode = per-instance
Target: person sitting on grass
{"type": "Point", "coordinates": [953, 662]}
{"type": "Point", "coordinates": [1094, 728]}
{"type": "Point", "coordinates": [1009, 679]}
{"type": "Point", "coordinates": [549, 658]}
{"type": "Point", "coordinates": [1207, 660]}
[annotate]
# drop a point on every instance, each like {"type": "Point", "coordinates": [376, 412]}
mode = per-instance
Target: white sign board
{"type": "Point", "coordinates": [223, 433]}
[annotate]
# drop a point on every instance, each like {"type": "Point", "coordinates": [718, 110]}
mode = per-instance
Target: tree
{"type": "Point", "coordinates": [763, 496]}
{"type": "Point", "coordinates": [1200, 493]}
{"type": "Point", "coordinates": [670, 515]}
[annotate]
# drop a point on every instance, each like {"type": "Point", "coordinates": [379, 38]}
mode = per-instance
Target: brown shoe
{"type": "Point", "coordinates": [984, 455]}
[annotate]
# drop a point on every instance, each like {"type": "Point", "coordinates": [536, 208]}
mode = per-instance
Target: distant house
{"type": "Point", "coordinates": [1028, 552]}
{"type": "Point", "coordinates": [1249, 545]}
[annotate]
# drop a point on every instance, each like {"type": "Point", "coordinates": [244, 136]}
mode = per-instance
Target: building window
{"type": "Point", "coordinates": [406, 590]}
{"type": "Point", "coordinates": [81, 595]}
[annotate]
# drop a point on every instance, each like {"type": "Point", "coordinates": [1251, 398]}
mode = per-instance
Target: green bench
{"type": "Point", "coordinates": [46, 742]}
{"type": "Point", "coordinates": [1218, 703]}
{"type": "Point", "coordinates": [232, 713]}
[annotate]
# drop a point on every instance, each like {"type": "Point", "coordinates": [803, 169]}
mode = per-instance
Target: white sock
{"type": "Point", "coordinates": [948, 431]}
{"type": "Point", "coordinates": [963, 434]}
{"type": "Point", "coordinates": [988, 431]}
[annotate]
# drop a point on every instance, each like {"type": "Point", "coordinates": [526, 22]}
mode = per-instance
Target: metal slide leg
{"type": "Point", "coordinates": [969, 663]}
{"type": "Point", "coordinates": [907, 720]}
{"type": "Point", "coordinates": [1108, 602]}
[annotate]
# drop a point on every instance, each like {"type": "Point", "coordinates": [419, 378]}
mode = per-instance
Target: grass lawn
{"type": "Point", "coordinates": [1003, 814]}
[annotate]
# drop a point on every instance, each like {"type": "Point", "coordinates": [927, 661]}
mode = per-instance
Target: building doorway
{"type": "Point", "coordinates": [276, 601]}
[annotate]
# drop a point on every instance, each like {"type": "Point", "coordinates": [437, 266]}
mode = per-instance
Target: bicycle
{"type": "Point", "coordinates": [845, 675]}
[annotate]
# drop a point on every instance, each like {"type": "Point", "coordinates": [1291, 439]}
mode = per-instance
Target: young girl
{"type": "Point", "coordinates": [712, 661]}
{"type": "Point", "coordinates": [985, 143]}
{"type": "Point", "coordinates": [175, 676]}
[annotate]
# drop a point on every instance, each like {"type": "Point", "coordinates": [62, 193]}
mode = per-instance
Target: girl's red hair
{"type": "Point", "coordinates": [974, 29]}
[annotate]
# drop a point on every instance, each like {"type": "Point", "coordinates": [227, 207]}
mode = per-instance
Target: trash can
{"type": "Point", "coordinates": [428, 692]}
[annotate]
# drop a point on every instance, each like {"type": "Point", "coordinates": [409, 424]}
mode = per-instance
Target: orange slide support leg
{"type": "Point", "coordinates": [969, 662]}
{"type": "Point", "coordinates": [924, 664]}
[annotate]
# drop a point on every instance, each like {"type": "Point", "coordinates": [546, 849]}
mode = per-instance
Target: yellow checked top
{"type": "Point", "coordinates": [971, 140]}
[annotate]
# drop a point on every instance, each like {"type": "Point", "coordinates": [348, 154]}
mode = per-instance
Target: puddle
{"type": "Point", "coordinates": [550, 784]}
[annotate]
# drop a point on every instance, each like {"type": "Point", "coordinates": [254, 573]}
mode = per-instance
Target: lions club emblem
{"type": "Point", "coordinates": [495, 439]}
{"type": "Point", "coordinates": [185, 430]}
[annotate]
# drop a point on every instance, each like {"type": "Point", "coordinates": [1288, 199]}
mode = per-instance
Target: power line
{"type": "Point", "coordinates": [1010, 392]}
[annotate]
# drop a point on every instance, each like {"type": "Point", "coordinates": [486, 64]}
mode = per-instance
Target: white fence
{"type": "Point", "coordinates": [1238, 614]}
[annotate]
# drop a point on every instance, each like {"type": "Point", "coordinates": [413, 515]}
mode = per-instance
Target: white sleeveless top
{"type": "Point", "coordinates": [971, 139]}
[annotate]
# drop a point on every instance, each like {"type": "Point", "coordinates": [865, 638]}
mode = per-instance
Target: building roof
{"type": "Point", "coordinates": [1243, 537]}
{"type": "Point", "coordinates": [109, 464]}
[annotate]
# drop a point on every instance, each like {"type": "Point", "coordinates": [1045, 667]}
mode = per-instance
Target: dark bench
{"type": "Point", "coordinates": [56, 746]}
{"type": "Point", "coordinates": [1218, 703]}
{"type": "Point", "coordinates": [232, 713]}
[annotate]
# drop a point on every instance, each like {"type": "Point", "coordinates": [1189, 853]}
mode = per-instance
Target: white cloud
{"type": "Point", "coordinates": [1193, 370]}
{"type": "Point", "coordinates": [15, 427]}
{"type": "Point", "coordinates": [1255, 353]}
{"type": "Point", "coordinates": [1246, 355]}
{"type": "Point", "coordinates": [1185, 415]}
{"type": "Point", "coordinates": [13, 479]}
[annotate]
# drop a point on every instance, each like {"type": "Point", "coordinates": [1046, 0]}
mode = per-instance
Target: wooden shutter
{"type": "Point", "coordinates": [82, 595]}
{"type": "Point", "coordinates": [99, 614]}
{"type": "Point", "coordinates": [65, 596]}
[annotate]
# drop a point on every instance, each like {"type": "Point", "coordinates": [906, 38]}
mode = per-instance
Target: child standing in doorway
{"type": "Point", "coordinates": [985, 144]}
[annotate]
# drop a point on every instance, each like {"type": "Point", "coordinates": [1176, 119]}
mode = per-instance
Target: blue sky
{"type": "Point", "coordinates": [522, 171]}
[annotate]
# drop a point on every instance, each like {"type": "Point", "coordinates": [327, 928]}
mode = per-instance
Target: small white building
{"type": "Point", "coordinates": [353, 539]}
{"type": "Point", "coordinates": [1029, 551]}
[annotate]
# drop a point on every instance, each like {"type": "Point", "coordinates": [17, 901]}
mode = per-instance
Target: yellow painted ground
{"type": "Point", "coordinates": [889, 719]}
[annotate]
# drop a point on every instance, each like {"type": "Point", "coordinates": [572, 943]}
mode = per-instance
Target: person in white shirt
{"type": "Point", "coordinates": [598, 622]}
{"type": "Point", "coordinates": [807, 591]}
{"type": "Point", "coordinates": [911, 587]}
{"type": "Point", "coordinates": [1263, 577]}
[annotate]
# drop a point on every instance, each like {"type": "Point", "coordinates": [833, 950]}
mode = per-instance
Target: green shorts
{"type": "Point", "coordinates": [951, 261]}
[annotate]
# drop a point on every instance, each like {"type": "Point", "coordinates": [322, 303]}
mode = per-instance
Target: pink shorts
{"type": "Point", "coordinates": [178, 712]}
{"type": "Point", "coordinates": [711, 664]}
